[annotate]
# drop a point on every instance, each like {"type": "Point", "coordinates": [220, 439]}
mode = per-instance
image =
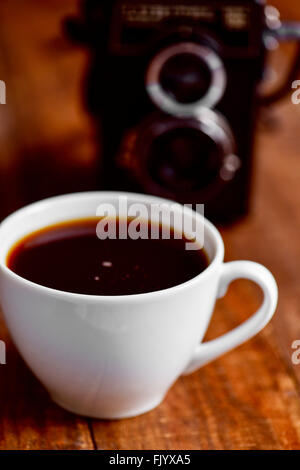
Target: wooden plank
{"type": "Point", "coordinates": [270, 234]}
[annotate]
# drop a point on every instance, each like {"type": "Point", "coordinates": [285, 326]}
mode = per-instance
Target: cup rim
{"type": "Point", "coordinates": [218, 241]}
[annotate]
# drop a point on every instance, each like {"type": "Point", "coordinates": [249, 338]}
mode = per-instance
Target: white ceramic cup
{"type": "Point", "coordinates": [117, 356]}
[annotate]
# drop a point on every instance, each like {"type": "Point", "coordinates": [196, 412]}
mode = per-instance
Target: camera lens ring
{"type": "Point", "coordinates": [164, 101]}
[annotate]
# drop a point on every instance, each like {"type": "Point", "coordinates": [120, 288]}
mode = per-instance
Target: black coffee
{"type": "Point", "coordinates": [70, 257]}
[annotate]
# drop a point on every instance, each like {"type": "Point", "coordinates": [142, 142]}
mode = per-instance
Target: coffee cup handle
{"type": "Point", "coordinates": [210, 350]}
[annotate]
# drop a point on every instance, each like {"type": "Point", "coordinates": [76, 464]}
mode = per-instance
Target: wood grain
{"type": "Point", "coordinates": [249, 398]}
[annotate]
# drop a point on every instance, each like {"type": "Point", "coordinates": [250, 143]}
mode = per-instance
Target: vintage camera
{"type": "Point", "coordinates": [174, 87]}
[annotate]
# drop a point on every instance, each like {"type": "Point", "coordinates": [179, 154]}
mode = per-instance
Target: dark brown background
{"type": "Point", "coordinates": [249, 398]}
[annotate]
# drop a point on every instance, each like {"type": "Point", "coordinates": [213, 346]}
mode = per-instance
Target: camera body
{"type": "Point", "coordinates": [174, 87]}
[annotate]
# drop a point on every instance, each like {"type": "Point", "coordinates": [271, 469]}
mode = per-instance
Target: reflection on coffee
{"type": "Point", "coordinates": [70, 257]}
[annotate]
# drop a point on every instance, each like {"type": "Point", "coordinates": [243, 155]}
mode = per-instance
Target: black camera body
{"type": "Point", "coordinates": [174, 87]}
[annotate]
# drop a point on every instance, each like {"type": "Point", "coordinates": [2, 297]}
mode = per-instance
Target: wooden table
{"type": "Point", "coordinates": [249, 398]}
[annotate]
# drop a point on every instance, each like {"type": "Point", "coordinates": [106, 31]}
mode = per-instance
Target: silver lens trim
{"type": "Point", "coordinates": [217, 128]}
{"type": "Point", "coordinates": [169, 105]}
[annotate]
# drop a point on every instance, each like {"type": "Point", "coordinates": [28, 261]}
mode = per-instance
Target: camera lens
{"type": "Point", "coordinates": [185, 77]}
{"type": "Point", "coordinates": [183, 160]}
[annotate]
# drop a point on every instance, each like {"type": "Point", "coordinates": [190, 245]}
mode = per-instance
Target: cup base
{"type": "Point", "coordinates": [109, 416]}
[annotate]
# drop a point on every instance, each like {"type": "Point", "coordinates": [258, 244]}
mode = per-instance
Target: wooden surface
{"type": "Point", "coordinates": [249, 398]}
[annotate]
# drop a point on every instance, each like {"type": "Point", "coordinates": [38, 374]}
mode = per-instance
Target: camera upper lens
{"type": "Point", "coordinates": [183, 159]}
{"type": "Point", "coordinates": [185, 77]}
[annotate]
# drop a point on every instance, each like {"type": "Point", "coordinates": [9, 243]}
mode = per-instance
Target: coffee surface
{"type": "Point", "coordinates": [70, 257]}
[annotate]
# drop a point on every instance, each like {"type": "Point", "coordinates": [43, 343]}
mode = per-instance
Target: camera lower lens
{"type": "Point", "coordinates": [183, 159]}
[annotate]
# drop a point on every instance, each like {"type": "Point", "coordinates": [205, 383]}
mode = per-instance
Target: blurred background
{"type": "Point", "coordinates": [47, 138]}
{"type": "Point", "coordinates": [49, 141]}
